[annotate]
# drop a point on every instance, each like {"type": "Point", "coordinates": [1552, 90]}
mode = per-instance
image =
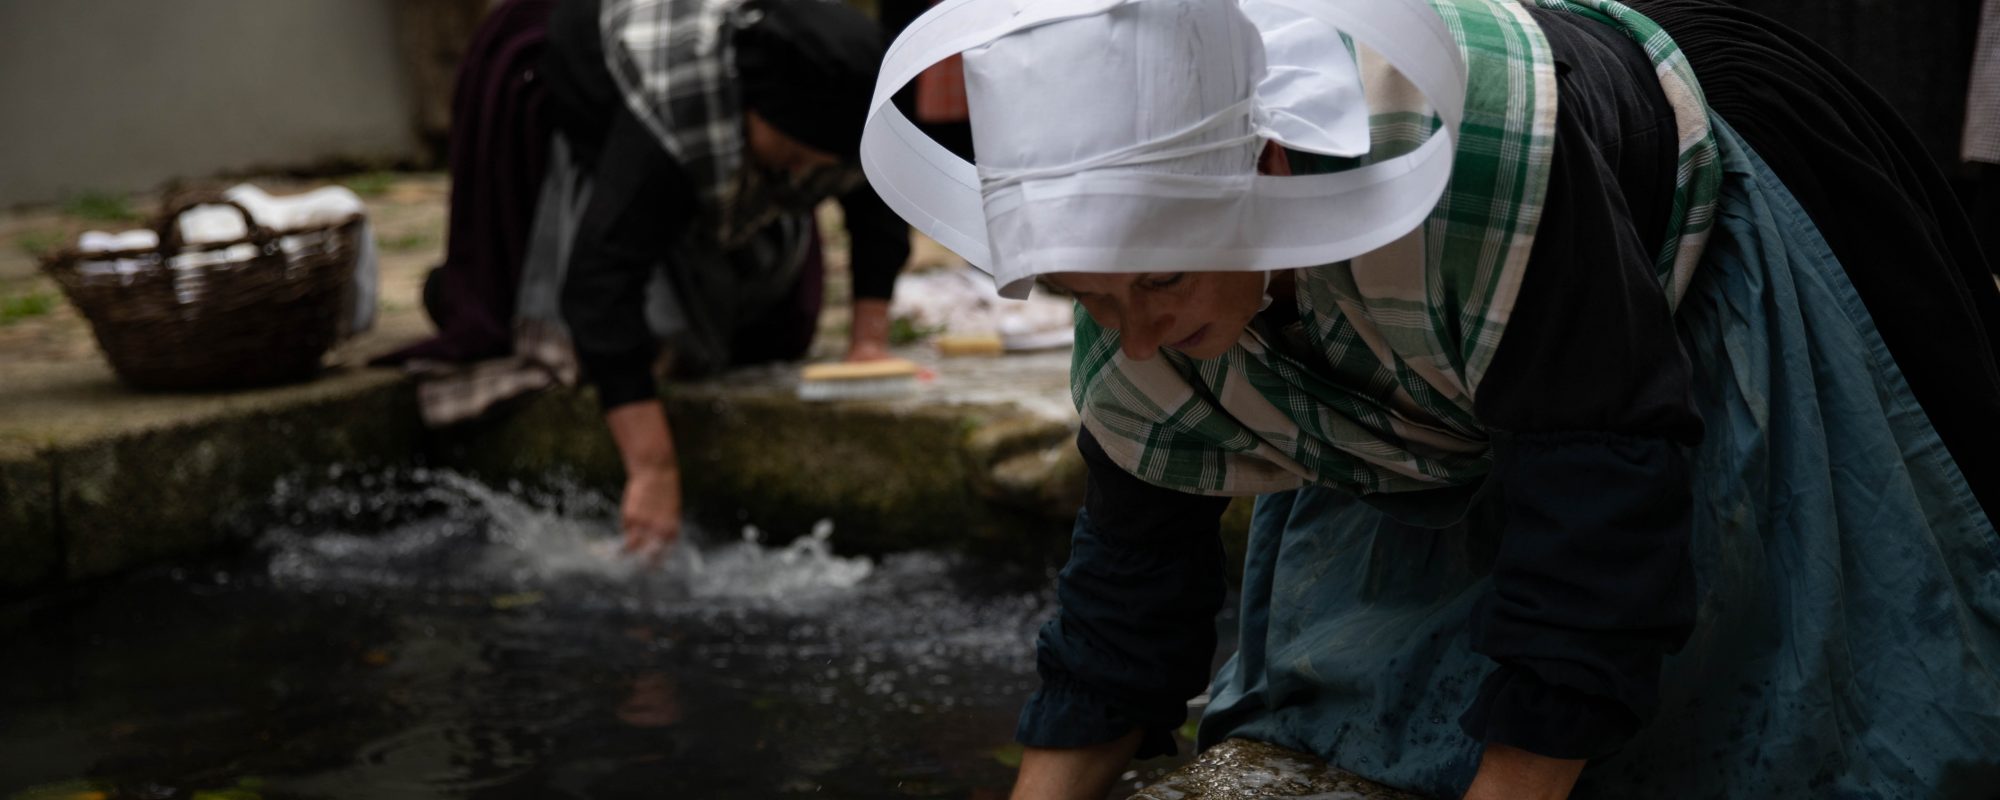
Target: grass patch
{"type": "Point", "coordinates": [903, 330]}
{"type": "Point", "coordinates": [415, 240]}
{"type": "Point", "coordinates": [101, 207]}
{"type": "Point", "coordinates": [370, 184]}
{"type": "Point", "coordinates": [41, 243]}
{"type": "Point", "coordinates": [15, 308]}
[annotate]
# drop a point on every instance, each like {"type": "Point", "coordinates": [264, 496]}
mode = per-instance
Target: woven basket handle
{"type": "Point", "coordinates": [169, 228]}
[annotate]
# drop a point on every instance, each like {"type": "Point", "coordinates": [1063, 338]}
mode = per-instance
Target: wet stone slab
{"type": "Point", "coordinates": [1240, 769]}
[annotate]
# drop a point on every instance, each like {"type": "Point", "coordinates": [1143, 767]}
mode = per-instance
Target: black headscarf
{"type": "Point", "coordinates": [808, 67]}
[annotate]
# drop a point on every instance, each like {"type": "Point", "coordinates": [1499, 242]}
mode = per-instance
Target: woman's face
{"type": "Point", "coordinates": [1197, 314]}
{"type": "Point", "coordinates": [772, 149]}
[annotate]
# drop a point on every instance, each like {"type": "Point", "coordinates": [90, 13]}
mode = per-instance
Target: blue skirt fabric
{"type": "Point", "coordinates": [1848, 638]}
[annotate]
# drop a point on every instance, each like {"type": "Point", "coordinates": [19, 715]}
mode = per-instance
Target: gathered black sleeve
{"type": "Point", "coordinates": [878, 243]}
{"type": "Point", "coordinates": [1134, 633]}
{"type": "Point", "coordinates": [1588, 397]}
{"type": "Point", "coordinates": [640, 203]}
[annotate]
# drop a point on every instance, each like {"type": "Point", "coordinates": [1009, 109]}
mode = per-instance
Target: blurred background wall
{"type": "Point", "coordinates": [116, 95]}
{"type": "Point", "coordinates": [119, 95]}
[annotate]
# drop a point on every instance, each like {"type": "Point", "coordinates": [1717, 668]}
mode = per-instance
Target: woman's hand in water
{"type": "Point", "coordinates": [651, 513]}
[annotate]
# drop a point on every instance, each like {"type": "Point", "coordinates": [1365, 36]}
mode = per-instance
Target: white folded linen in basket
{"type": "Point", "coordinates": [219, 223]}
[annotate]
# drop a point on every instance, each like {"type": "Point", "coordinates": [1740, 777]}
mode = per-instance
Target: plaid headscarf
{"type": "Point", "coordinates": [673, 62]}
{"type": "Point", "coordinates": [1403, 335]}
{"type": "Point", "coordinates": [676, 64]}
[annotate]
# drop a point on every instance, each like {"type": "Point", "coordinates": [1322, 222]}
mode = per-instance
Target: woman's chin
{"type": "Point", "coordinates": [1208, 348]}
{"type": "Point", "coordinates": [1214, 341]}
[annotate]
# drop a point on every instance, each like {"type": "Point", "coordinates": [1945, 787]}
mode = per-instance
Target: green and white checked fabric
{"type": "Point", "coordinates": [1400, 337]}
{"type": "Point", "coordinates": [675, 65]}
{"type": "Point", "coordinates": [1698, 178]}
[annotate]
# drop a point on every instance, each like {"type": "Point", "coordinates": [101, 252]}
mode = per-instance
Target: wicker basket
{"type": "Point", "coordinates": [257, 321]}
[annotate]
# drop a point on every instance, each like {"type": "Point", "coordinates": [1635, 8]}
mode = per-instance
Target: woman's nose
{"type": "Point", "coordinates": [1141, 332]}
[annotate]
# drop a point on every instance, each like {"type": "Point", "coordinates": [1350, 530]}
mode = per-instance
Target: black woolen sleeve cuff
{"type": "Point", "coordinates": [1518, 709]}
{"type": "Point", "coordinates": [1134, 632]}
{"type": "Point", "coordinates": [1065, 713]}
{"type": "Point", "coordinates": [620, 378]}
{"type": "Point", "coordinates": [1592, 588]}
{"type": "Point", "coordinates": [1133, 635]}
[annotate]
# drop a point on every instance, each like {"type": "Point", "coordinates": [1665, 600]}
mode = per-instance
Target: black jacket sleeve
{"type": "Point", "coordinates": [640, 203]}
{"type": "Point", "coordinates": [1134, 633]}
{"type": "Point", "coordinates": [878, 243]}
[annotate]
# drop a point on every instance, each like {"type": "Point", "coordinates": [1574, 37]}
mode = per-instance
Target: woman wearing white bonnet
{"type": "Point", "coordinates": [1586, 464]}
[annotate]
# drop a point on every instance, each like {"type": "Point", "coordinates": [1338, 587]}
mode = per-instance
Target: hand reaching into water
{"type": "Point", "coordinates": [650, 514]}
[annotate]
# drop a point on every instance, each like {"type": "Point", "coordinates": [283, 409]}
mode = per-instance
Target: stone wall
{"type": "Point", "coordinates": [121, 95]}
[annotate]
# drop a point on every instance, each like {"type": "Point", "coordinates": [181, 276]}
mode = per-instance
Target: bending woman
{"type": "Point", "coordinates": [1613, 458]}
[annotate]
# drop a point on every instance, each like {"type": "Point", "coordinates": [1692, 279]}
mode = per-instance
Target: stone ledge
{"type": "Point", "coordinates": [961, 465]}
{"type": "Point", "coordinates": [95, 479]}
{"type": "Point", "coordinates": [55, 406]}
{"type": "Point", "coordinates": [31, 550]}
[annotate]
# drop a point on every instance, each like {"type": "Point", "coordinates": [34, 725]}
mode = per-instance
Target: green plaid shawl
{"type": "Point", "coordinates": [1403, 334]}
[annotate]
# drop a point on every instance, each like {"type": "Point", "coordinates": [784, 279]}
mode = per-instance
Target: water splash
{"type": "Point", "coordinates": [438, 534]}
{"type": "Point", "coordinates": [747, 569]}
{"type": "Point", "coordinates": [444, 530]}
{"type": "Point", "coordinates": [423, 634]}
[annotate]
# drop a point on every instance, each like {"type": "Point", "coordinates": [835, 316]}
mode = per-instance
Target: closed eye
{"type": "Point", "coordinates": [1161, 281]}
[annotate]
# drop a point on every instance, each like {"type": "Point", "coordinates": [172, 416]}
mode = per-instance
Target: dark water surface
{"type": "Point", "coordinates": [422, 636]}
